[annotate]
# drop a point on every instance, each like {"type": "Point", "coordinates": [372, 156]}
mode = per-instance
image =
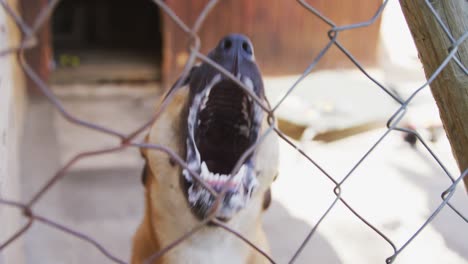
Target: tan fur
{"type": "Point", "coordinates": [168, 216]}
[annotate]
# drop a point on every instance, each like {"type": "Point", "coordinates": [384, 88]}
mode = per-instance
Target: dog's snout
{"type": "Point", "coordinates": [238, 44]}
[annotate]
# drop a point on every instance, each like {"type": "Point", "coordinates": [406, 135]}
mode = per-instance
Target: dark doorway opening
{"type": "Point", "coordinates": [106, 40]}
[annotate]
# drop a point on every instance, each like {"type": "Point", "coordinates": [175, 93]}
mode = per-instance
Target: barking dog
{"type": "Point", "coordinates": [211, 123]}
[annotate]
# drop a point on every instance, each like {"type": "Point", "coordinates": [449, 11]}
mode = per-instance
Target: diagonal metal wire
{"type": "Point", "coordinates": [128, 140]}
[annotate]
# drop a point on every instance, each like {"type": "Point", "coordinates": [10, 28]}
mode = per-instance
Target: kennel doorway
{"type": "Point", "coordinates": [106, 41]}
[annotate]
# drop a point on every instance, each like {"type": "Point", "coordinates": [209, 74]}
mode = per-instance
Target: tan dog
{"type": "Point", "coordinates": [211, 123]}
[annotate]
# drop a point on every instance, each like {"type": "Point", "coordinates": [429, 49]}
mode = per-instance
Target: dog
{"type": "Point", "coordinates": [211, 122]}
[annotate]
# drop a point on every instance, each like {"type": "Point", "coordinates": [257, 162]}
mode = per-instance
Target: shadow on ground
{"type": "Point", "coordinates": [447, 223]}
{"type": "Point", "coordinates": [286, 233]}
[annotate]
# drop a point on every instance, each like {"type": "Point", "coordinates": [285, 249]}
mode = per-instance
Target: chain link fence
{"type": "Point", "coordinates": [129, 141]}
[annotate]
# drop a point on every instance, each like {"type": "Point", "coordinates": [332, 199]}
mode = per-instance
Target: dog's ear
{"type": "Point", "coordinates": [143, 151]}
{"type": "Point", "coordinates": [267, 199]}
{"type": "Point", "coordinates": [144, 174]}
{"type": "Point", "coordinates": [145, 166]}
{"type": "Point", "coordinates": [184, 82]}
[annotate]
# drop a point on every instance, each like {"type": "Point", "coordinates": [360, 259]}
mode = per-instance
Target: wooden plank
{"type": "Point", "coordinates": [450, 88]}
{"type": "Point", "coordinates": [286, 36]}
{"type": "Point", "coordinates": [38, 57]}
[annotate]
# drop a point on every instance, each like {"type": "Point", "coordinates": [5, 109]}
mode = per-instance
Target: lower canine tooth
{"type": "Point", "coordinates": [240, 174]}
{"type": "Point", "coordinates": [204, 170]}
{"type": "Point", "coordinates": [248, 82]}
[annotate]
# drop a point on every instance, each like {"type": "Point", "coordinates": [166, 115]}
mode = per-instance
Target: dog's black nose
{"type": "Point", "coordinates": [238, 44]}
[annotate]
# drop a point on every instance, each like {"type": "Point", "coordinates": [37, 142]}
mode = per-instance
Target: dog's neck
{"type": "Point", "coordinates": [210, 244]}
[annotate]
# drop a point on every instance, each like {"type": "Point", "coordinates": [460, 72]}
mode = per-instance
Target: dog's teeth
{"type": "Point", "coordinates": [187, 175]}
{"type": "Point", "coordinates": [204, 101]}
{"type": "Point", "coordinates": [240, 174]}
{"type": "Point", "coordinates": [204, 170]}
{"type": "Point", "coordinates": [223, 178]}
{"type": "Point", "coordinates": [207, 96]}
{"type": "Point", "coordinates": [211, 177]}
{"type": "Point", "coordinates": [193, 195]}
{"type": "Point", "coordinates": [236, 200]}
{"type": "Point", "coordinates": [248, 82]}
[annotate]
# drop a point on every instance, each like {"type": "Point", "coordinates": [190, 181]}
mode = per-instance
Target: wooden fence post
{"type": "Point", "coordinates": [450, 88]}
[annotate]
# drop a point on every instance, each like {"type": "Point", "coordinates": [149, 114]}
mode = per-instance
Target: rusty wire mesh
{"type": "Point", "coordinates": [127, 141]}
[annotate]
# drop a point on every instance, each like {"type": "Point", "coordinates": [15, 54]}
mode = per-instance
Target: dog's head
{"type": "Point", "coordinates": [222, 123]}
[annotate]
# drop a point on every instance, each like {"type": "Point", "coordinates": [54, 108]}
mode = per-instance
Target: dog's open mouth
{"type": "Point", "coordinates": [223, 122]}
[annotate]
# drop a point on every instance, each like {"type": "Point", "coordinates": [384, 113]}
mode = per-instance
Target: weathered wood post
{"type": "Point", "coordinates": [450, 88]}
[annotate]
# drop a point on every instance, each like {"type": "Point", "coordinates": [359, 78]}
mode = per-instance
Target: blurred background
{"type": "Point", "coordinates": [109, 61]}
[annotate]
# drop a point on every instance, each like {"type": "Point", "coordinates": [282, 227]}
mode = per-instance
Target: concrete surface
{"type": "Point", "coordinates": [124, 111]}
